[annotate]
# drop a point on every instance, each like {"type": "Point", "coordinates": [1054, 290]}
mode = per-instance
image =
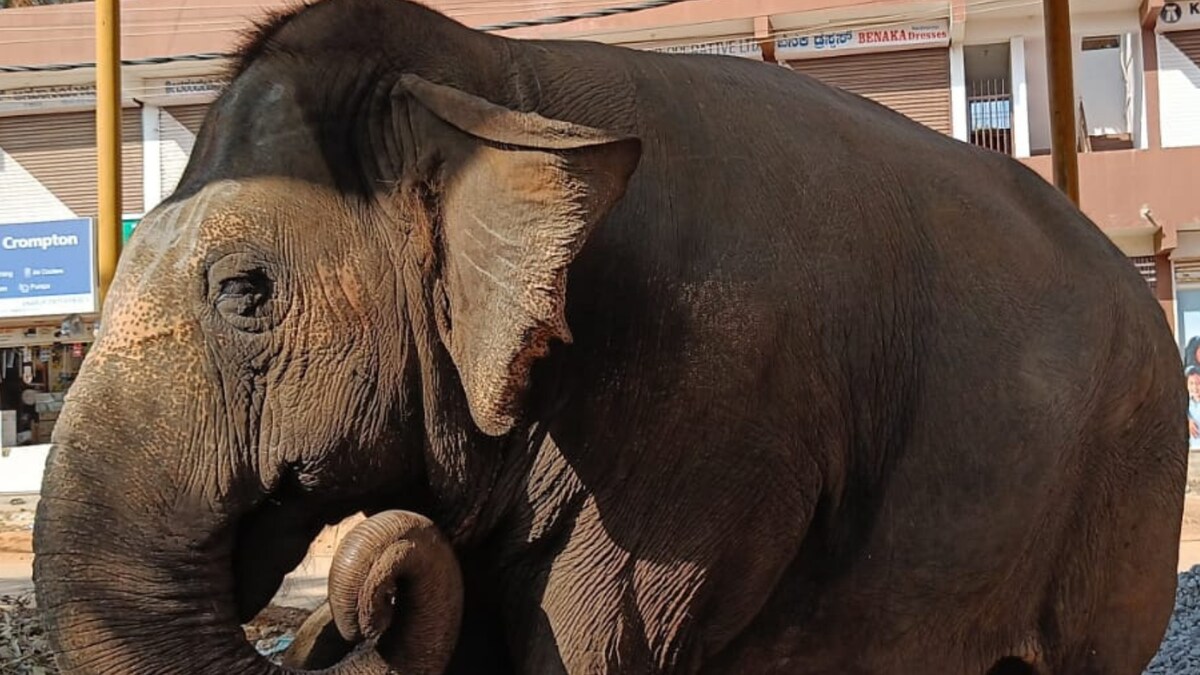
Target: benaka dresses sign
{"type": "Point", "coordinates": [810, 45]}
{"type": "Point", "coordinates": [931, 34]}
{"type": "Point", "coordinates": [47, 268]}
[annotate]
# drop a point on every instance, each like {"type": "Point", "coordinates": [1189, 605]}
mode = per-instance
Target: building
{"type": "Point", "coordinates": [972, 69]}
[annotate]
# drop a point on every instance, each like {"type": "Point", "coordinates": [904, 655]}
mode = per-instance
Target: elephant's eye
{"type": "Point", "coordinates": [244, 296]}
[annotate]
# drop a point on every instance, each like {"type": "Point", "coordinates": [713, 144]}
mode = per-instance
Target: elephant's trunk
{"type": "Point", "coordinates": [123, 595]}
{"type": "Point", "coordinates": [391, 547]}
{"type": "Point", "coordinates": [394, 559]}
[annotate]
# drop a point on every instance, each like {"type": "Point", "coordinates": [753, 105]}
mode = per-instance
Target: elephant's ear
{"type": "Point", "coordinates": [517, 196]}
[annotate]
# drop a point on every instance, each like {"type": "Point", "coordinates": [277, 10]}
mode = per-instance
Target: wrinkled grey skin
{"type": "Point", "coordinates": [699, 366]}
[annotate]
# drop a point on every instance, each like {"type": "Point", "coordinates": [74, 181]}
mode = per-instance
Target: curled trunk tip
{"type": "Point", "coordinates": [398, 561]}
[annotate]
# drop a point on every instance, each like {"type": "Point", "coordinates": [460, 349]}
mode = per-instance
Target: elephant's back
{"type": "Point", "coordinates": [779, 224]}
{"type": "Point", "coordinates": [827, 227]}
{"type": "Point", "coordinates": [832, 204]}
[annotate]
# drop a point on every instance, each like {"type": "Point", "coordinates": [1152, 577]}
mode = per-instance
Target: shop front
{"type": "Point", "coordinates": [904, 66]}
{"type": "Point", "coordinates": [47, 320]}
{"type": "Point", "coordinates": [48, 156]}
{"type": "Point", "coordinates": [39, 364]}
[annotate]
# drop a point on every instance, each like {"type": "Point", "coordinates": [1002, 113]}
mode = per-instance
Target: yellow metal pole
{"type": "Point", "coordinates": [1061, 78]}
{"type": "Point", "coordinates": [108, 139]}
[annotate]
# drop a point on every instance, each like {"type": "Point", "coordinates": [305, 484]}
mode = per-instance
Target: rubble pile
{"type": "Point", "coordinates": [23, 646]}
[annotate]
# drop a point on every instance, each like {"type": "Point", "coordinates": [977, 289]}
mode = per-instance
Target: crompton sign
{"type": "Point", "coordinates": [815, 45]}
{"type": "Point", "coordinates": [47, 268]}
{"type": "Point", "coordinates": [1179, 16]}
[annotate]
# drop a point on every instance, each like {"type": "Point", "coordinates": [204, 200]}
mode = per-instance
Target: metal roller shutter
{"type": "Point", "coordinates": [190, 116]}
{"type": "Point", "coordinates": [178, 125]}
{"type": "Point", "coordinates": [1187, 271]}
{"type": "Point", "coordinates": [1188, 42]}
{"type": "Point", "coordinates": [914, 82]}
{"type": "Point", "coordinates": [59, 150]}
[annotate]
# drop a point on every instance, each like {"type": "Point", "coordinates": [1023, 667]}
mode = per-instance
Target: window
{"type": "Point", "coordinates": [1104, 84]}
{"type": "Point", "coordinates": [989, 96]}
{"type": "Point", "coordinates": [1147, 266]}
{"type": "Point", "coordinates": [1106, 42]}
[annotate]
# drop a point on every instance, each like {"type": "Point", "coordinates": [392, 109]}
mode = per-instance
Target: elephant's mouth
{"type": "Point", "coordinates": [271, 540]}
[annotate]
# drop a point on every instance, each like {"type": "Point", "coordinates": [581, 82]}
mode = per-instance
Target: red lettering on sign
{"type": "Point", "coordinates": [898, 35]}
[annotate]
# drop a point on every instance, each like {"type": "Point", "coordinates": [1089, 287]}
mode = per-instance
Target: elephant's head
{"type": "Point", "coordinates": [344, 295]}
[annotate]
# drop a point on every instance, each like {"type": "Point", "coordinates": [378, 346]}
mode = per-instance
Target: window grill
{"type": "Point", "coordinates": [1147, 266]}
{"type": "Point", "coordinates": [989, 109]}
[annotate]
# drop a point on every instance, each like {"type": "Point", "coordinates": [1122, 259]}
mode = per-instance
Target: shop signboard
{"type": "Point", "coordinates": [935, 33]}
{"type": "Point", "coordinates": [908, 36]}
{"type": "Point", "coordinates": [184, 86]}
{"type": "Point", "coordinates": [744, 47]}
{"type": "Point", "coordinates": [47, 268]}
{"type": "Point", "coordinates": [1179, 16]}
{"type": "Point", "coordinates": [33, 98]}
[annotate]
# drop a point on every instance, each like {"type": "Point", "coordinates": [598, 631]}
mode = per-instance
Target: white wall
{"type": "Point", "coordinates": [1020, 96]}
{"type": "Point", "coordinates": [1179, 96]}
{"type": "Point", "coordinates": [1141, 128]}
{"type": "Point", "coordinates": [1037, 94]}
{"type": "Point", "coordinates": [151, 158]}
{"type": "Point", "coordinates": [1100, 82]}
{"type": "Point", "coordinates": [958, 95]}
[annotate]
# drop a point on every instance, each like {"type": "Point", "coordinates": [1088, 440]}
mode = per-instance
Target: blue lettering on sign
{"type": "Point", "coordinates": [832, 40]}
{"type": "Point", "coordinates": [793, 42]}
{"type": "Point", "coordinates": [42, 262]}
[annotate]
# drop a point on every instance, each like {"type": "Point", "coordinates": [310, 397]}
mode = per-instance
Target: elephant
{"type": "Point", "coordinates": [635, 362]}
